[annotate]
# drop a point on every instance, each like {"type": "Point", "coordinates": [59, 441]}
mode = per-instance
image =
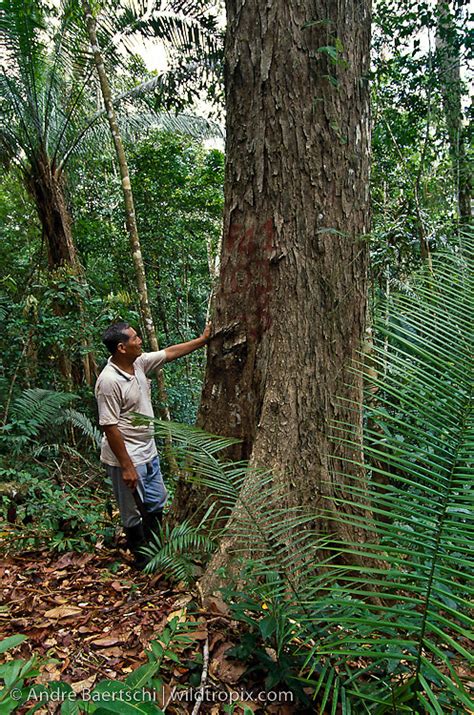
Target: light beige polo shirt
{"type": "Point", "coordinates": [118, 395]}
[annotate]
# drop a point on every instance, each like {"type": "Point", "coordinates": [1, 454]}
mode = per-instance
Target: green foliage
{"type": "Point", "coordinates": [14, 674]}
{"type": "Point", "coordinates": [46, 53]}
{"type": "Point", "coordinates": [131, 694]}
{"type": "Point", "coordinates": [179, 194]}
{"type": "Point", "coordinates": [41, 505]}
{"type": "Point", "coordinates": [269, 640]}
{"type": "Point", "coordinates": [178, 198]}
{"type": "Point", "coordinates": [196, 453]}
{"type": "Point", "coordinates": [419, 445]}
{"type": "Point", "coordinates": [413, 183]}
{"type": "Point", "coordinates": [65, 516]}
{"type": "Point", "coordinates": [192, 42]}
{"type": "Point", "coordinates": [37, 414]}
{"type": "Point", "coordinates": [387, 635]}
{"type": "Point", "coordinates": [48, 92]}
{"type": "Point", "coordinates": [175, 551]}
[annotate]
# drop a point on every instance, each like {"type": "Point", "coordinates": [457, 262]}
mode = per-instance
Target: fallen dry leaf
{"type": "Point", "coordinates": [215, 604]}
{"type": "Point", "coordinates": [199, 635]}
{"type": "Point", "coordinates": [83, 684]}
{"type": "Point", "coordinates": [181, 602]}
{"type": "Point", "coordinates": [63, 612]}
{"type": "Point", "coordinates": [215, 639]}
{"type": "Point", "coordinates": [94, 642]}
{"type": "Point", "coordinates": [226, 669]}
{"type": "Point", "coordinates": [111, 652]}
{"type": "Point", "coordinates": [117, 586]}
{"type": "Point", "coordinates": [66, 560]}
{"type": "Point", "coordinates": [106, 641]}
{"type": "Point", "coordinates": [180, 615]}
{"type": "Point", "coordinates": [49, 673]}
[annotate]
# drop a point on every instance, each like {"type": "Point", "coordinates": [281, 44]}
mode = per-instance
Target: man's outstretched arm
{"type": "Point", "coordinates": [177, 351]}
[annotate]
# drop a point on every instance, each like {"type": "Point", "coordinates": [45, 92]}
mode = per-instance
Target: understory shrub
{"type": "Point", "coordinates": [51, 496]}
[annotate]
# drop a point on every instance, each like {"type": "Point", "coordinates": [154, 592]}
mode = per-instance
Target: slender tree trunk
{"type": "Point", "coordinates": [47, 190]}
{"type": "Point", "coordinates": [290, 307]}
{"type": "Point", "coordinates": [131, 223]}
{"type": "Point", "coordinates": [451, 89]}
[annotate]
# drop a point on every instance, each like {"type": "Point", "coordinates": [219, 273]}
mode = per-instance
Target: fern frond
{"type": "Point", "coordinates": [40, 407]}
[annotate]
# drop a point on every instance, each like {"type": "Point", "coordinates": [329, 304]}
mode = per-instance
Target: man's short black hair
{"type": "Point", "coordinates": [114, 335]}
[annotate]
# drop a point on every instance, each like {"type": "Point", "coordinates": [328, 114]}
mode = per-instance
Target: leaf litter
{"type": "Point", "coordinates": [92, 618]}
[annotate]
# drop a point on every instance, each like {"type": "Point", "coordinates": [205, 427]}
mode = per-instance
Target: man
{"type": "Point", "coordinates": [129, 451]}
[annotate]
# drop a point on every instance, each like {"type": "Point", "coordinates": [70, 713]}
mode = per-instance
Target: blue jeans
{"type": "Point", "coordinates": [150, 487]}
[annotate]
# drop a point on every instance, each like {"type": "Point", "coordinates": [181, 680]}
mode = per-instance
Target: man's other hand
{"type": "Point", "coordinates": [130, 477]}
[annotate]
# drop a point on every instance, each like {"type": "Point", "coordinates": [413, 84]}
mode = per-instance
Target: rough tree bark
{"type": "Point", "coordinates": [47, 190]}
{"type": "Point", "coordinates": [46, 186]}
{"type": "Point", "coordinates": [290, 307]}
{"type": "Point", "coordinates": [131, 223]}
{"type": "Point", "coordinates": [451, 90]}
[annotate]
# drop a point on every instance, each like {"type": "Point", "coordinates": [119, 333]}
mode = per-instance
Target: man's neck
{"type": "Point", "coordinates": [123, 363]}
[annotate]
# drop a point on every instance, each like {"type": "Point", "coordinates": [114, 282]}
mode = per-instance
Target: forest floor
{"type": "Point", "coordinates": [91, 617]}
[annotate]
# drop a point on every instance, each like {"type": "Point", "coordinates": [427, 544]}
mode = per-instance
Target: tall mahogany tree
{"type": "Point", "coordinates": [291, 302]}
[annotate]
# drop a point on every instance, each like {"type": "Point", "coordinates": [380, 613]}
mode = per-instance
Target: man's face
{"type": "Point", "coordinates": [133, 347]}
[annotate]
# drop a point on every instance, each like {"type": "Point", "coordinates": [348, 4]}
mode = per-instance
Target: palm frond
{"type": "Point", "coordinates": [181, 31]}
{"type": "Point", "coordinates": [180, 26]}
{"type": "Point", "coordinates": [22, 28]}
{"type": "Point", "coordinates": [47, 87]}
{"type": "Point", "coordinates": [95, 131]}
{"type": "Point", "coordinates": [419, 447]}
{"type": "Point", "coordinates": [175, 550]}
{"type": "Point", "coordinates": [83, 423]}
{"type": "Point", "coordinates": [259, 524]}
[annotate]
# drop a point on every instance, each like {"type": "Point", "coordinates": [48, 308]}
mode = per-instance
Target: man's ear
{"type": "Point", "coordinates": [120, 348]}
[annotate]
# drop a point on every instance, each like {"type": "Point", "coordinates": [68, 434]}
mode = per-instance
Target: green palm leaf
{"type": "Point", "coordinates": [419, 448]}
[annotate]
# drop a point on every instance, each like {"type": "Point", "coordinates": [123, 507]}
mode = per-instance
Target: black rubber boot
{"type": "Point", "coordinates": [153, 524]}
{"type": "Point", "coordinates": [135, 541]}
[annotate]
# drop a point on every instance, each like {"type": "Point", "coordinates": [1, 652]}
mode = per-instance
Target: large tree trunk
{"type": "Point", "coordinates": [47, 190]}
{"type": "Point", "coordinates": [290, 308]}
{"type": "Point", "coordinates": [449, 65]}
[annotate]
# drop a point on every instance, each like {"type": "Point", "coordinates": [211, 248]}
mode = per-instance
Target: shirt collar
{"type": "Point", "coordinates": [115, 367]}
